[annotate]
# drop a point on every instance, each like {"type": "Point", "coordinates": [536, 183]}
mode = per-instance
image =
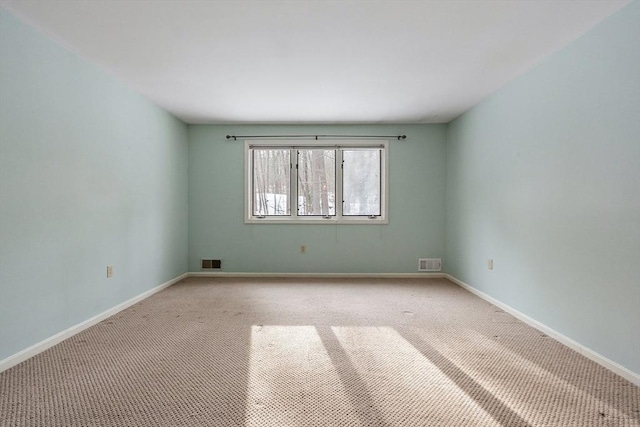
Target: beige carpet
{"type": "Point", "coordinates": [292, 352]}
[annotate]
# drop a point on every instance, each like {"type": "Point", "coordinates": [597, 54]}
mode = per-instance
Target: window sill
{"type": "Point", "coordinates": [317, 221]}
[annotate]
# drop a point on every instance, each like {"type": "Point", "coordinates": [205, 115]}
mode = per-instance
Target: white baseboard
{"type": "Point", "coordinates": [437, 275]}
{"type": "Point", "coordinates": [67, 333]}
{"type": "Point", "coordinates": [574, 345]}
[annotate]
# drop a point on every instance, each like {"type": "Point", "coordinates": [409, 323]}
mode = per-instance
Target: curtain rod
{"type": "Point", "coordinates": [235, 137]}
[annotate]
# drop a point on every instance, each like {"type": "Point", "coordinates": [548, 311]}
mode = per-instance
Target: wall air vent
{"type": "Point", "coordinates": [211, 264]}
{"type": "Point", "coordinates": [430, 264]}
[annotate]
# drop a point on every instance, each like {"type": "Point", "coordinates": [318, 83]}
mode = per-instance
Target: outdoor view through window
{"type": "Point", "coordinates": [321, 182]}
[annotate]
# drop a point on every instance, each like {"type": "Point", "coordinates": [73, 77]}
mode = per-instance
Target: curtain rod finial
{"type": "Point", "coordinates": [402, 137]}
{"type": "Point", "coordinates": [232, 136]}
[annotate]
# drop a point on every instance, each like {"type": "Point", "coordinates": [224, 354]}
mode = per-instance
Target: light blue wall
{"type": "Point", "coordinates": [90, 174]}
{"type": "Point", "coordinates": [416, 208]}
{"type": "Point", "coordinates": [544, 177]}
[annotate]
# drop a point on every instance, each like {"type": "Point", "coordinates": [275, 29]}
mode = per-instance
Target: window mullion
{"type": "Point", "coordinates": [293, 187]}
{"type": "Point", "coordinates": [381, 175]}
{"type": "Point", "coordinates": [339, 169]}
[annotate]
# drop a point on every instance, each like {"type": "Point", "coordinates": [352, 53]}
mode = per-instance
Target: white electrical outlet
{"type": "Point", "coordinates": [109, 271]}
{"type": "Point", "coordinates": [490, 264]}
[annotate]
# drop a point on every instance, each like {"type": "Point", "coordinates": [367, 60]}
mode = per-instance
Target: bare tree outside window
{"type": "Point", "coordinates": [316, 182]}
{"type": "Point", "coordinates": [271, 182]}
{"type": "Point", "coordinates": [361, 182]}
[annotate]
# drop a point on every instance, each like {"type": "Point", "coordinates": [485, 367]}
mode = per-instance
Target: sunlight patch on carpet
{"type": "Point", "coordinates": [292, 380]}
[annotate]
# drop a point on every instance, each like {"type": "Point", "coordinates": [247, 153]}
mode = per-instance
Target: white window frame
{"type": "Point", "coordinates": [294, 218]}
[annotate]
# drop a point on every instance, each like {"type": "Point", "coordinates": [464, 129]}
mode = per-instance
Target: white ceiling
{"type": "Point", "coordinates": [314, 61]}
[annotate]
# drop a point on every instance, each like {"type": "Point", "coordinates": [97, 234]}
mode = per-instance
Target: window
{"type": "Point", "coordinates": [312, 182]}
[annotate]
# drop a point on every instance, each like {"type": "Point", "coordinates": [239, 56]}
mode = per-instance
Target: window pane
{"type": "Point", "coordinates": [271, 181]}
{"type": "Point", "coordinates": [361, 182]}
{"type": "Point", "coordinates": [316, 182]}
